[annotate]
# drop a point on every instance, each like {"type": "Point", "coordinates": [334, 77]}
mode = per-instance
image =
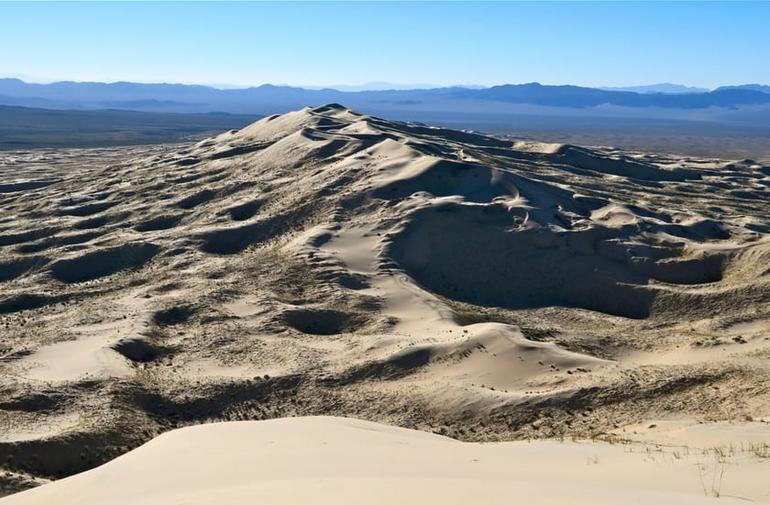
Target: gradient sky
{"type": "Point", "coordinates": [614, 44]}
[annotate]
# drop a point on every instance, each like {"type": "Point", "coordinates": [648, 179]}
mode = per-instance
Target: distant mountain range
{"type": "Point", "coordinates": [377, 86]}
{"type": "Point", "coordinates": [269, 99]}
{"type": "Point", "coordinates": [752, 87]}
{"type": "Point", "coordinates": [665, 87]}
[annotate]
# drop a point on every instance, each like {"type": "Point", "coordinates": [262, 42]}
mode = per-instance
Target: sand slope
{"type": "Point", "coordinates": [325, 262]}
{"type": "Point", "coordinates": [327, 460]}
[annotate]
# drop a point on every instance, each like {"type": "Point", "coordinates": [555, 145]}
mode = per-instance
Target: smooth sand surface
{"type": "Point", "coordinates": [329, 460]}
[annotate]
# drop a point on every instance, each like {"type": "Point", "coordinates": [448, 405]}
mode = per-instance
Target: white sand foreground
{"type": "Point", "coordinates": [332, 460]}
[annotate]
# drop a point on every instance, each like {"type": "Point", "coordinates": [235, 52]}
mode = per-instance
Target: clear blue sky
{"type": "Point", "coordinates": [704, 44]}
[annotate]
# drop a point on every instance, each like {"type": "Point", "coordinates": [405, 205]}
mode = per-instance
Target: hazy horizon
{"type": "Point", "coordinates": [374, 85]}
{"type": "Point", "coordinates": [245, 44]}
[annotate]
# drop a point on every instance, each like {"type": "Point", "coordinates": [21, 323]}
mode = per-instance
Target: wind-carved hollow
{"type": "Point", "coordinates": [469, 253]}
{"type": "Point", "coordinates": [103, 262]}
{"type": "Point", "coordinates": [322, 321]}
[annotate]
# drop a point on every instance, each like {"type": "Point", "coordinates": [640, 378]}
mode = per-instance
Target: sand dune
{"type": "Point", "coordinates": [327, 460]}
{"type": "Point", "coordinates": [325, 262]}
